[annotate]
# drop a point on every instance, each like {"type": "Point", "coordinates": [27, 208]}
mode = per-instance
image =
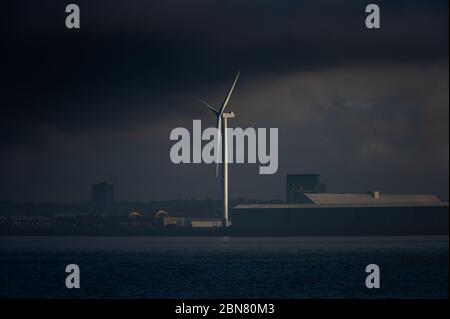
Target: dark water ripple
{"type": "Point", "coordinates": [113, 267]}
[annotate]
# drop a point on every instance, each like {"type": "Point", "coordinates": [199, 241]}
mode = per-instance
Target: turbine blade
{"type": "Point", "coordinates": [225, 102]}
{"type": "Point", "coordinates": [210, 107]}
{"type": "Point", "coordinates": [219, 144]}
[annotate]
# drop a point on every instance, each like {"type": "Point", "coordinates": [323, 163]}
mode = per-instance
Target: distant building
{"type": "Point", "coordinates": [71, 219]}
{"type": "Point", "coordinates": [323, 214]}
{"type": "Point", "coordinates": [162, 219]}
{"type": "Point", "coordinates": [103, 193]}
{"type": "Point", "coordinates": [297, 184]}
{"type": "Point", "coordinates": [370, 198]}
{"type": "Point", "coordinates": [173, 222]}
{"type": "Point", "coordinates": [192, 222]}
{"type": "Point", "coordinates": [134, 218]}
{"type": "Point", "coordinates": [204, 222]}
{"type": "Point", "coordinates": [30, 221]}
{"type": "Point", "coordinates": [159, 218]}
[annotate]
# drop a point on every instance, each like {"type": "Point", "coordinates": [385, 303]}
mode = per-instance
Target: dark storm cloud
{"type": "Point", "coordinates": [157, 46]}
{"type": "Point", "coordinates": [134, 69]}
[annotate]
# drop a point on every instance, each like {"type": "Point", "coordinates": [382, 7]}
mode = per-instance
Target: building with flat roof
{"type": "Point", "coordinates": [323, 214]}
{"type": "Point", "coordinates": [371, 198]}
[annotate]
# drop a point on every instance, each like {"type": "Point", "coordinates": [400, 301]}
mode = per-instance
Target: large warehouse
{"type": "Point", "coordinates": [324, 214]}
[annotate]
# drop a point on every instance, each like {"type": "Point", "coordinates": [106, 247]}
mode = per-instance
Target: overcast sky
{"type": "Point", "coordinates": [367, 109]}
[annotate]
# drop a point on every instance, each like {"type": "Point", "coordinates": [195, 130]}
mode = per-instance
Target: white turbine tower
{"type": "Point", "coordinates": [222, 142]}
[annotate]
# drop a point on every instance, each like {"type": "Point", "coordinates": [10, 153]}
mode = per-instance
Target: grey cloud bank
{"type": "Point", "coordinates": [366, 110]}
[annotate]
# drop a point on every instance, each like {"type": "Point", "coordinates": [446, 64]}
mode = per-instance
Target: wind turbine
{"type": "Point", "coordinates": [222, 142]}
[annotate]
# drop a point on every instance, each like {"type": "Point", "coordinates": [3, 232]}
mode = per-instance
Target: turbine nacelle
{"type": "Point", "coordinates": [229, 115]}
{"type": "Point", "coordinates": [220, 114]}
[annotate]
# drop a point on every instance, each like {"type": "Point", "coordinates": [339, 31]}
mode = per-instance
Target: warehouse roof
{"type": "Point", "coordinates": [320, 200]}
{"type": "Point", "coordinates": [291, 206]}
{"type": "Point", "coordinates": [325, 198]}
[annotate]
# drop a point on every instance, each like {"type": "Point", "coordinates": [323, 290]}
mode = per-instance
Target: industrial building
{"type": "Point", "coordinates": [192, 222]}
{"type": "Point", "coordinates": [162, 219]}
{"type": "Point", "coordinates": [311, 212]}
{"type": "Point", "coordinates": [322, 214]}
{"type": "Point", "coordinates": [297, 184]}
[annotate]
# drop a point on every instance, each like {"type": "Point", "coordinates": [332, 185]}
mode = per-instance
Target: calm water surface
{"type": "Point", "coordinates": [224, 267]}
